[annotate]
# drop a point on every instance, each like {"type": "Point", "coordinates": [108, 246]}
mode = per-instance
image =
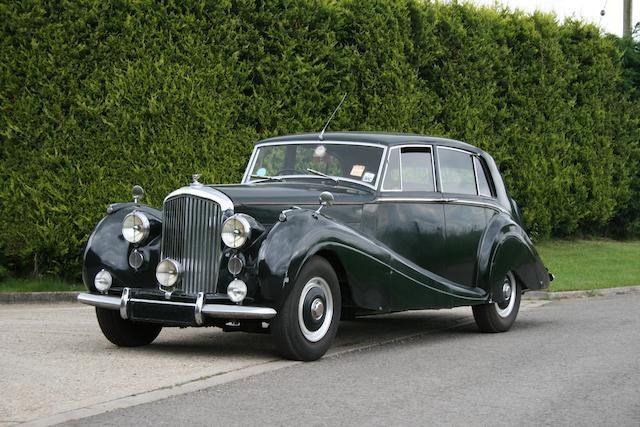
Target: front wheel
{"type": "Point", "coordinates": [306, 325]}
{"type": "Point", "coordinates": [125, 333]}
{"type": "Point", "coordinates": [500, 316]}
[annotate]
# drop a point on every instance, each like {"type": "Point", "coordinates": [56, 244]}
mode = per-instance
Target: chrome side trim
{"type": "Point", "coordinates": [439, 200]}
{"type": "Point", "coordinates": [493, 206]}
{"type": "Point", "coordinates": [216, 311]}
{"type": "Point", "coordinates": [124, 300]}
{"type": "Point", "coordinates": [206, 193]}
{"type": "Point", "coordinates": [198, 309]}
{"type": "Point", "coordinates": [411, 200]}
{"type": "Point", "coordinates": [102, 301]}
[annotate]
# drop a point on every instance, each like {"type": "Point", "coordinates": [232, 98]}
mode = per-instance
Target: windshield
{"type": "Point", "coordinates": [359, 163]}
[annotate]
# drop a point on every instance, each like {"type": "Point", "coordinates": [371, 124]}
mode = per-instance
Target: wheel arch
{"type": "Point", "coordinates": [505, 247]}
{"type": "Point", "coordinates": [343, 280]}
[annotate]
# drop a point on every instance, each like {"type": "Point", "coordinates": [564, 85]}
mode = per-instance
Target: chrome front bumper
{"type": "Point", "coordinates": [200, 309]}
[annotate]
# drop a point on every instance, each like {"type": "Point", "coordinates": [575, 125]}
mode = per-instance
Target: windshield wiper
{"type": "Point", "coordinates": [315, 172]}
{"type": "Point", "coordinates": [267, 178]}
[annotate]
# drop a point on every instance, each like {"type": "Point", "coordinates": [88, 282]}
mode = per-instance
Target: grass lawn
{"type": "Point", "coordinates": [591, 264]}
{"type": "Point", "coordinates": [38, 285]}
{"type": "Point", "coordinates": [577, 265]}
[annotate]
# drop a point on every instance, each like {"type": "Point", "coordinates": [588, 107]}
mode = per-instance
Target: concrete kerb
{"type": "Point", "coordinates": [545, 295]}
{"type": "Point", "coordinates": [37, 297]}
{"type": "Point", "coordinates": [48, 297]}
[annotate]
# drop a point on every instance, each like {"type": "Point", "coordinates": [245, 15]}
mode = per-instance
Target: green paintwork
{"type": "Point", "coordinates": [392, 250]}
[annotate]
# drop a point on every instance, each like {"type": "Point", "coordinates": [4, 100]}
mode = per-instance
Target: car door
{"type": "Point", "coordinates": [465, 189]}
{"type": "Point", "coordinates": [409, 212]}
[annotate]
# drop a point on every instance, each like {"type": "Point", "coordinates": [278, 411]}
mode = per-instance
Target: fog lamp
{"type": "Point", "coordinates": [168, 272]}
{"type": "Point", "coordinates": [103, 281]}
{"type": "Point", "coordinates": [237, 290]}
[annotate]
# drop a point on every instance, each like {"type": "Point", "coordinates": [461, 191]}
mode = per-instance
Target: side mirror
{"type": "Point", "coordinates": [138, 193]}
{"type": "Point", "coordinates": [326, 198]}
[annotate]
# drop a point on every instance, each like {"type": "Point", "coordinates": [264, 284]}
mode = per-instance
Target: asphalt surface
{"type": "Point", "coordinates": [571, 362]}
{"type": "Point", "coordinates": [55, 364]}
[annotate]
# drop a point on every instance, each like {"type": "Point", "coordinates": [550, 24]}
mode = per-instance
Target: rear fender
{"type": "Point", "coordinates": [506, 247]}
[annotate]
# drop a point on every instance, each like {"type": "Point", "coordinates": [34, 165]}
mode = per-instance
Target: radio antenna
{"type": "Point", "coordinates": [330, 118]}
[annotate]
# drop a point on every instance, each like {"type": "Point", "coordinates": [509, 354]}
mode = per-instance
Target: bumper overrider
{"type": "Point", "coordinates": [171, 312]}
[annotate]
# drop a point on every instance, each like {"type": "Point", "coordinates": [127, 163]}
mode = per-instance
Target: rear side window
{"type": "Point", "coordinates": [409, 169]}
{"type": "Point", "coordinates": [456, 171]}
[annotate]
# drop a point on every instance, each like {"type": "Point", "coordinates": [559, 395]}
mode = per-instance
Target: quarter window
{"type": "Point", "coordinates": [456, 172]}
{"type": "Point", "coordinates": [484, 188]}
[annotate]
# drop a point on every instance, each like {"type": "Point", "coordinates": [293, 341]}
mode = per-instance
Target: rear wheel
{"type": "Point", "coordinates": [500, 316]}
{"type": "Point", "coordinates": [125, 333]}
{"type": "Point", "coordinates": [306, 325]}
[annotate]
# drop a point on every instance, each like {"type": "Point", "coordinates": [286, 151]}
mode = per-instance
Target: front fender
{"type": "Point", "coordinates": [506, 247]}
{"type": "Point", "coordinates": [107, 249]}
{"type": "Point", "coordinates": [292, 242]}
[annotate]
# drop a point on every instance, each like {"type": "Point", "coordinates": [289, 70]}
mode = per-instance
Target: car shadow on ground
{"type": "Point", "coordinates": [362, 331]}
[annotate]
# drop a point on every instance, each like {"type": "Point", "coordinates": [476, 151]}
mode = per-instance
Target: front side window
{"type": "Point", "coordinates": [456, 171]}
{"type": "Point", "coordinates": [409, 169]}
{"type": "Point", "coordinates": [354, 162]}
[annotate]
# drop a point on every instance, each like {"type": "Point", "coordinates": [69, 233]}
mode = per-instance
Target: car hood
{"type": "Point", "coordinates": [289, 193]}
{"type": "Point", "coordinates": [265, 201]}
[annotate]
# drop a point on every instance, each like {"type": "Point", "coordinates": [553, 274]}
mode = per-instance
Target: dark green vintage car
{"type": "Point", "coordinates": [322, 227]}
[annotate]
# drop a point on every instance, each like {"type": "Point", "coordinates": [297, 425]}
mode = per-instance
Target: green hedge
{"type": "Point", "coordinates": [98, 95]}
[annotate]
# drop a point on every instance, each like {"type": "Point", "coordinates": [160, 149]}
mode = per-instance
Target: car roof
{"type": "Point", "coordinates": [382, 138]}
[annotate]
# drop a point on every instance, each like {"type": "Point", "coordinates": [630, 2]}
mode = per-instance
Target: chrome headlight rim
{"type": "Point", "coordinates": [236, 241]}
{"type": "Point", "coordinates": [139, 235]}
{"type": "Point", "coordinates": [168, 273]}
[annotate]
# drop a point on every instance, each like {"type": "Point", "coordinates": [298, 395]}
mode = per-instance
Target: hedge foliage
{"type": "Point", "coordinates": [98, 95]}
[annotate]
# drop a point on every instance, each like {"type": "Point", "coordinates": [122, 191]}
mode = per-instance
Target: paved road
{"type": "Point", "coordinates": [574, 362]}
{"type": "Point", "coordinates": [55, 365]}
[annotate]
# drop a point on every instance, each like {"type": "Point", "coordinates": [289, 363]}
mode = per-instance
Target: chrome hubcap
{"type": "Point", "coordinates": [509, 301]}
{"type": "Point", "coordinates": [506, 291]}
{"type": "Point", "coordinates": [315, 309]}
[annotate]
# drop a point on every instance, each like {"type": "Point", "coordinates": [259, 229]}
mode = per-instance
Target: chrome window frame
{"type": "Point", "coordinates": [400, 147]}
{"type": "Point", "coordinates": [473, 165]}
{"type": "Point", "coordinates": [486, 177]}
{"type": "Point", "coordinates": [254, 157]}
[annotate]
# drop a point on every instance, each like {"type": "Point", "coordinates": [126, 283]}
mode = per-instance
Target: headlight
{"type": "Point", "coordinates": [168, 272]}
{"type": "Point", "coordinates": [236, 231]}
{"type": "Point", "coordinates": [135, 227]}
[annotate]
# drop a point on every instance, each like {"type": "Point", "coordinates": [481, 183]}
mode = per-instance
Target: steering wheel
{"type": "Point", "coordinates": [290, 172]}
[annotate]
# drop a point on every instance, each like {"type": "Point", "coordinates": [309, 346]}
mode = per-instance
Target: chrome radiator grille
{"type": "Point", "coordinates": [191, 236]}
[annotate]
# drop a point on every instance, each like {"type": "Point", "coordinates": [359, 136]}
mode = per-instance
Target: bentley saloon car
{"type": "Point", "coordinates": [322, 227]}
